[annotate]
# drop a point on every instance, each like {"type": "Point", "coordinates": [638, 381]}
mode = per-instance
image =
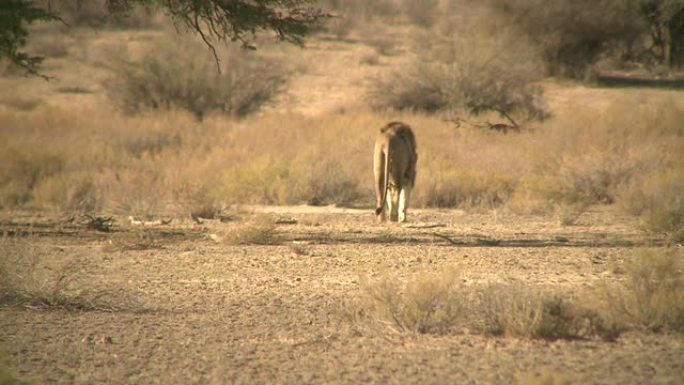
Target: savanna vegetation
{"type": "Point", "coordinates": [139, 154]}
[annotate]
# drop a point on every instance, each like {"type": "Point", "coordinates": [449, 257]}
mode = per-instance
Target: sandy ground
{"type": "Point", "coordinates": [190, 310]}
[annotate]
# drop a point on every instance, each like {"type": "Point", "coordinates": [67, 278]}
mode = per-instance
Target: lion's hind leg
{"type": "Point", "coordinates": [404, 197]}
{"type": "Point", "coordinates": [393, 203]}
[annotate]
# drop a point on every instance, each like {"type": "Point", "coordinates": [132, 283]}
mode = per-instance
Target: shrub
{"type": "Point", "coordinates": [428, 303]}
{"type": "Point", "coordinates": [260, 230]}
{"type": "Point", "coordinates": [466, 188]}
{"type": "Point", "coordinates": [520, 311]}
{"type": "Point", "coordinates": [259, 181]}
{"type": "Point", "coordinates": [652, 294]}
{"type": "Point", "coordinates": [472, 70]}
{"type": "Point", "coordinates": [659, 199]}
{"type": "Point", "coordinates": [22, 169]}
{"type": "Point", "coordinates": [29, 274]}
{"type": "Point", "coordinates": [574, 34]}
{"type": "Point", "coordinates": [421, 12]}
{"type": "Point", "coordinates": [95, 14]}
{"type": "Point", "coordinates": [185, 75]}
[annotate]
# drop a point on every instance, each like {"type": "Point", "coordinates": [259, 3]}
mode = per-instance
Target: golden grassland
{"type": "Point", "coordinates": [626, 153]}
{"type": "Point", "coordinates": [557, 246]}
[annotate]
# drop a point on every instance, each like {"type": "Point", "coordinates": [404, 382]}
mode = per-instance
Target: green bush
{"type": "Point", "coordinates": [185, 75]}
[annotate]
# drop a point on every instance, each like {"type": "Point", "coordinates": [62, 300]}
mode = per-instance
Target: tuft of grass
{"type": "Point", "coordinates": [427, 303]}
{"type": "Point", "coordinates": [520, 311]}
{"type": "Point", "coordinates": [259, 230]}
{"type": "Point", "coordinates": [651, 296]}
{"type": "Point", "coordinates": [31, 276]}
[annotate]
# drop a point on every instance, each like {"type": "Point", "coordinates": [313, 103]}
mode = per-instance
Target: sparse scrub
{"type": "Point", "coordinates": [468, 70]}
{"type": "Point", "coordinates": [363, 10]}
{"type": "Point", "coordinates": [259, 230]}
{"type": "Point", "coordinates": [659, 200]}
{"type": "Point", "coordinates": [22, 170]}
{"type": "Point", "coordinates": [95, 14]}
{"type": "Point", "coordinates": [651, 295]}
{"type": "Point", "coordinates": [187, 77]}
{"type": "Point", "coordinates": [606, 159]}
{"type": "Point", "coordinates": [261, 181]}
{"type": "Point", "coordinates": [29, 275]}
{"type": "Point", "coordinates": [427, 303]}
{"type": "Point", "coordinates": [421, 12]}
{"type": "Point", "coordinates": [455, 187]}
{"type": "Point", "coordinates": [166, 162]}
{"type": "Point", "coordinates": [574, 35]}
{"type": "Point", "coordinates": [439, 303]}
{"type": "Point", "coordinates": [515, 310]}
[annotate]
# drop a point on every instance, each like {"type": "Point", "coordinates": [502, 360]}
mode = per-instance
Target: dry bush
{"type": "Point", "coordinates": [473, 69]}
{"type": "Point", "coordinates": [515, 310]}
{"type": "Point", "coordinates": [95, 14]}
{"type": "Point", "coordinates": [31, 275]}
{"type": "Point", "coordinates": [574, 35]}
{"type": "Point", "coordinates": [22, 170]}
{"type": "Point", "coordinates": [465, 188]}
{"type": "Point", "coordinates": [361, 10]}
{"type": "Point", "coordinates": [166, 162]}
{"type": "Point", "coordinates": [259, 181]}
{"type": "Point", "coordinates": [440, 303]}
{"type": "Point", "coordinates": [259, 230]}
{"type": "Point", "coordinates": [605, 158]}
{"type": "Point", "coordinates": [426, 303]}
{"type": "Point", "coordinates": [421, 12]}
{"type": "Point", "coordinates": [183, 73]}
{"type": "Point", "coordinates": [50, 44]}
{"type": "Point", "coordinates": [651, 296]}
{"type": "Point", "coordinates": [659, 199]}
{"type": "Point", "coordinates": [305, 163]}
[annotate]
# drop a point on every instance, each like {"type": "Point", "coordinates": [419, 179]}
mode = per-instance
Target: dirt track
{"type": "Point", "coordinates": [180, 308]}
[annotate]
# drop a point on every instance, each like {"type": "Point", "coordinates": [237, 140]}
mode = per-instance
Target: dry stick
{"type": "Point", "coordinates": [438, 235]}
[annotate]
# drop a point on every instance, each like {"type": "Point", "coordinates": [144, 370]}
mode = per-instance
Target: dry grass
{"type": "Point", "coordinates": [545, 377]}
{"type": "Point", "coordinates": [259, 230]}
{"type": "Point", "coordinates": [32, 275]}
{"type": "Point", "coordinates": [479, 69]}
{"type": "Point", "coordinates": [165, 163]}
{"type": "Point", "coordinates": [427, 303]}
{"type": "Point", "coordinates": [8, 376]}
{"type": "Point", "coordinates": [441, 303]}
{"type": "Point", "coordinates": [183, 73]}
{"type": "Point", "coordinates": [651, 296]}
{"type": "Point", "coordinates": [601, 147]}
{"type": "Point", "coordinates": [515, 310]}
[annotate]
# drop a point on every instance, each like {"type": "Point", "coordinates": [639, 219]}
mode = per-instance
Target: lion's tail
{"type": "Point", "coordinates": [385, 187]}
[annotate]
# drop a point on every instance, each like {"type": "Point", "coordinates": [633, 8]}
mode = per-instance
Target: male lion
{"type": "Point", "coordinates": [394, 166]}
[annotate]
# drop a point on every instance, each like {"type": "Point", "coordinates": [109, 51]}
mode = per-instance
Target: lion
{"type": "Point", "coordinates": [394, 166]}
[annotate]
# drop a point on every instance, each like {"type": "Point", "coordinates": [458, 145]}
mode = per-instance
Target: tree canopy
{"type": "Point", "coordinates": [214, 20]}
